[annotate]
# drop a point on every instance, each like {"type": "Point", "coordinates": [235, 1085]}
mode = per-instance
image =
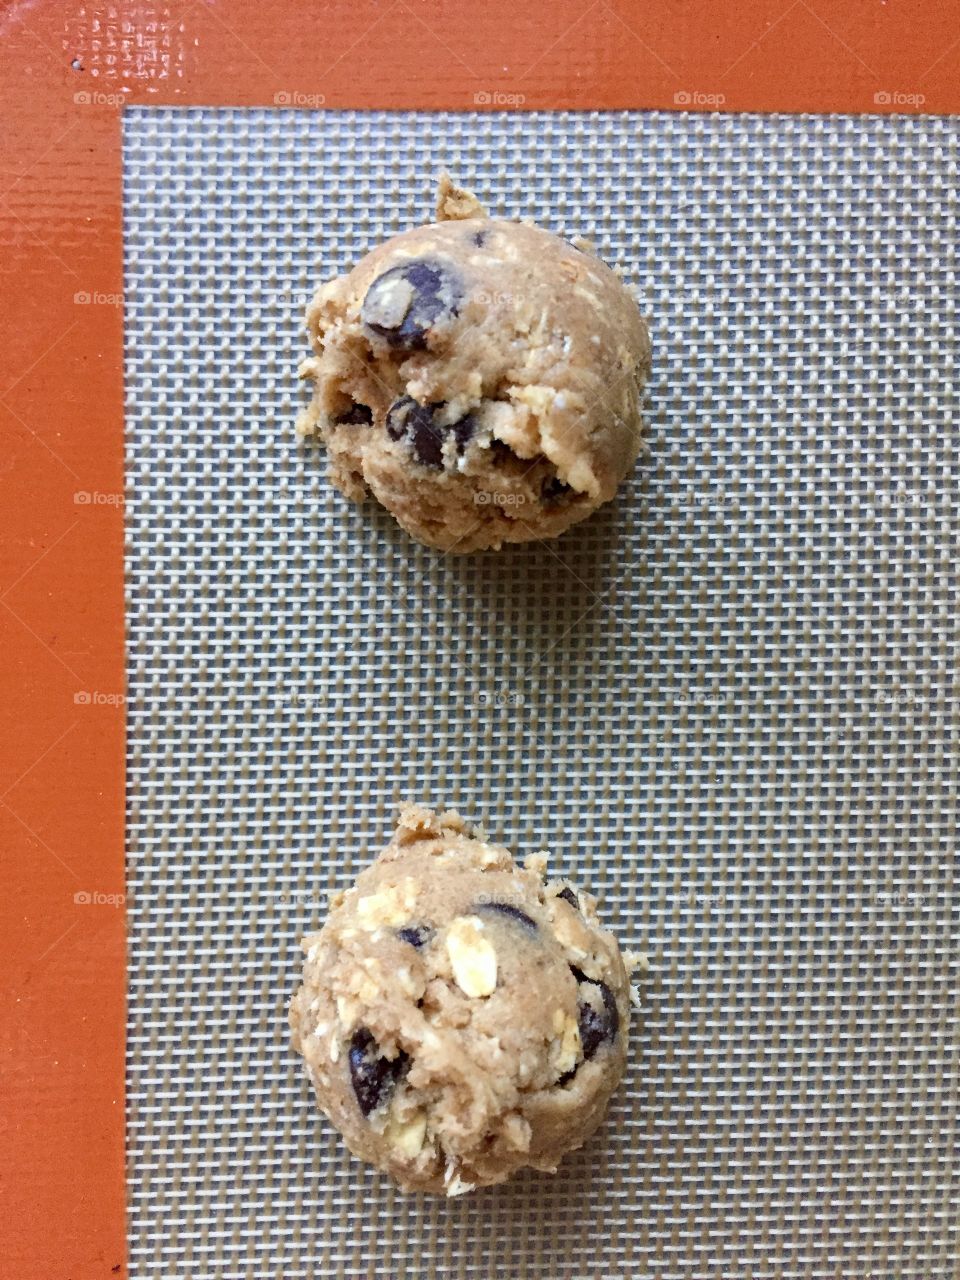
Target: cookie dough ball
{"type": "Point", "coordinates": [461, 1018]}
{"type": "Point", "coordinates": [480, 378]}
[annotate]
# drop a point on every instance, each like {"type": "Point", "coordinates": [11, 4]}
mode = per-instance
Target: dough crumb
{"type": "Point", "coordinates": [537, 862]}
{"type": "Point", "coordinates": [454, 203]}
{"type": "Point", "coordinates": [636, 962]}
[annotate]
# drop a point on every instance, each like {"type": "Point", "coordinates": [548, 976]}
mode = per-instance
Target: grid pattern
{"type": "Point", "coordinates": [728, 702]}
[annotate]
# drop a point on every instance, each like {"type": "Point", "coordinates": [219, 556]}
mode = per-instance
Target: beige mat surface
{"type": "Point", "coordinates": [729, 702]}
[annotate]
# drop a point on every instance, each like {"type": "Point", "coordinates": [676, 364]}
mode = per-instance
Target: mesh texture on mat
{"type": "Point", "coordinates": [728, 703]}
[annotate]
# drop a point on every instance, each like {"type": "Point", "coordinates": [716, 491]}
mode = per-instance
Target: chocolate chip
{"type": "Point", "coordinates": [502, 454]}
{"type": "Point", "coordinates": [417, 422]}
{"type": "Point", "coordinates": [506, 909]}
{"type": "Point", "coordinates": [407, 418]}
{"type": "Point", "coordinates": [358, 415]}
{"type": "Point", "coordinates": [399, 412]}
{"type": "Point", "coordinates": [554, 490]}
{"type": "Point", "coordinates": [373, 1077]}
{"type": "Point", "coordinates": [406, 302]}
{"type": "Point", "coordinates": [480, 238]}
{"type": "Point", "coordinates": [463, 430]}
{"type": "Point", "coordinates": [415, 934]}
{"type": "Point", "coordinates": [596, 1027]}
{"type": "Point", "coordinates": [567, 894]}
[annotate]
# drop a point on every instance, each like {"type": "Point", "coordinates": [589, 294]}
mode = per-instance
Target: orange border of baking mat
{"type": "Point", "coordinates": [68, 68]}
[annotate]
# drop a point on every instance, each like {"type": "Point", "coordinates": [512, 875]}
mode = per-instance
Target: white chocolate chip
{"type": "Point", "coordinates": [569, 928]}
{"type": "Point", "coordinates": [569, 1042]}
{"type": "Point", "coordinates": [517, 1132]}
{"type": "Point", "coordinates": [490, 855]}
{"type": "Point", "coordinates": [406, 981]}
{"type": "Point", "coordinates": [348, 1011]}
{"type": "Point", "coordinates": [458, 1188]}
{"type": "Point", "coordinates": [388, 303]}
{"type": "Point", "coordinates": [406, 1136]}
{"type": "Point", "coordinates": [391, 906]}
{"type": "Point", "coordinates": [472, 957]}
{"type": "Point", "coordinates": [451, 1180]}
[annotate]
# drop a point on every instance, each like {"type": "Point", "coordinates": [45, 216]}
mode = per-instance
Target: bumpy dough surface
{"type": "Point", "coordinates": [479, 378]}
{"type": "Point", "coordinates": [460, 1017]}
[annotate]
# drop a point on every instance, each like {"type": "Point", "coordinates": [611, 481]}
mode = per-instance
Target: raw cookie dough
{"type": "Point", "coordinates": [459, 1017]}
{"type": "Point", "coordinates": [481, 379]}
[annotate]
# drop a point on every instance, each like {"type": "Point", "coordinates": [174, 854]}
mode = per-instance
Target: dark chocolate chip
{"type": "Point", "coordinates": [464, 430]}
{"type": "Point", "coordinates": [502, 454]}
{"type": "Point", "coordinates": [415, 934]}
{"type": "Point", "coordinates": [479, 238]}
{"type": "Point", "coordinates": [359, 415]}
{"type": "Point", "coordinates": [426, 440]}
{"type": "Point", "coordinates": [417, 422]}
{"type": "Point", "coordinates": [567, 894]}
{"type": "Point", "coordinates": [397, 416]}
{"type": "Point", "coordinates": [554, 490]}
{"type": "Point", "coordinates": [596, 1027]}
{"type": "Point", "coordinates": [506, 909]}
{"type": "Point", "coordinates": [405, 316]}
{"type": "Point", "coordinates": [374, 1077]}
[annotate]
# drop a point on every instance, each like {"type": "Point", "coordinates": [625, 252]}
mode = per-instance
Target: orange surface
{"type": "Point", "coordinates": [66, 70]}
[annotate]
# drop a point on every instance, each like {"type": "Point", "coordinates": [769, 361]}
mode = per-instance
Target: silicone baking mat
{"type": "Point", "coordinates": [727, 703]}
